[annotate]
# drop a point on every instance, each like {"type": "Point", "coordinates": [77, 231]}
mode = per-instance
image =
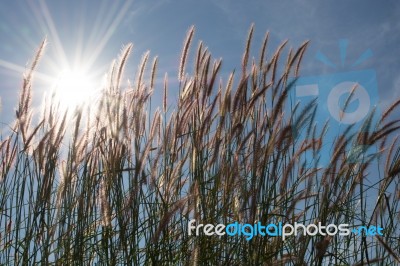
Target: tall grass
{"type": "Point", "coordinates": [118, 184]}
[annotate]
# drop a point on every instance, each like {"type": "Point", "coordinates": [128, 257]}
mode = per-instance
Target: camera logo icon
{"type": "Point", "coordinates": [344, 89]}
{"type": "Point", "coordinates": [343, 101]}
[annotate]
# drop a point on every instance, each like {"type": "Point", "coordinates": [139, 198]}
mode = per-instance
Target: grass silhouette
{"type": "Point", "coordinates": [132, 177]}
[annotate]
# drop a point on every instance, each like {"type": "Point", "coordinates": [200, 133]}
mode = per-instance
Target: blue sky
{"type": "Point", "coordinates": [91, 33]}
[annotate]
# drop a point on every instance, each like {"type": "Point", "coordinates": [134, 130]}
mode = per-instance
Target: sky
{"type": "Point", "coordinates": [90, 34]}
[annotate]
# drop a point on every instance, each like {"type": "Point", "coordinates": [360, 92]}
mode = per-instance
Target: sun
{"type": "Point", "coordinates": [75, 87]}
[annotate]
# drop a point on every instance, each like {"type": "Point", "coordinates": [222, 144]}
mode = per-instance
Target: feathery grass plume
{"type": "Point", "coordinates": [280, 103]}
{"type": "Point", "coordinates": [8, 153]}
{"type": "Point", "coordinates": [394, 168]}
{"type": "Point", "coordinates": [153, 72]}
{"type": "Point", "coordinates": [288, 66]}
{"type": "Point", "coordinates": [141, 69]}
{"type": "Point", "coordinates": [198, 58]}
{"type": "Point", "coordinates": [29, 139]}
{"type": "Point", "coordinates": [302, 50]}
{"type": "Point", "coordinates": [390, 152]}
{"type": "Point", "coordinates": [24, 112]}
{"type": "Point", "coordinates": [254, 76]}
{"type": "Point", "coordinates": [105, 207]}
{"type": "Point", "coordinates": [226, 104]}
{"type": "Point", "coordinates": [246, 54]}
{"type": "Point", "coordinates": [216, 68]}
{"type": "Point", "coordinates": [239, 97]}
{"type": "Point", "coordinates": [386, 130]}
{"type": "Point", "coordinates": [205, 66]}
{"type": "Point", "coordinates": [296, 57]}
{"type": "Point", "coordinates": [348, 100]}
{"type": "Point", "coordinates": [167, 217]}
{"type": "Point", "coordinates": [165, 92]}
{"type": "Point", "coordinates": [263, 51]}
{"type": "Point", "coordinates": [121, 64]}
{"type": "Point", "coordinates": [258, 94]}
{"type": "Point", "coordinates": [187, 90]}
{"type": "Point", "coordinates": [389, 110]}
{"type": "Point", "coordinates": [274, 60]}
{"type": "Point", "coordinates": [111, 86]}
{"type": "Point", "coordinates": [185, 51]}
{"type": "Point", "coordinates": [39, 53]}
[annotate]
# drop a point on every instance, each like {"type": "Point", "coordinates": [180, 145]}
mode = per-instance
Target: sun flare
{"type": "Point", "coordinates": [74, 87]}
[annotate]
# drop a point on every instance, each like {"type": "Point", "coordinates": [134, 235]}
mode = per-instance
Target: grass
{"type": "Point", "coordinates": [118, 184]}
